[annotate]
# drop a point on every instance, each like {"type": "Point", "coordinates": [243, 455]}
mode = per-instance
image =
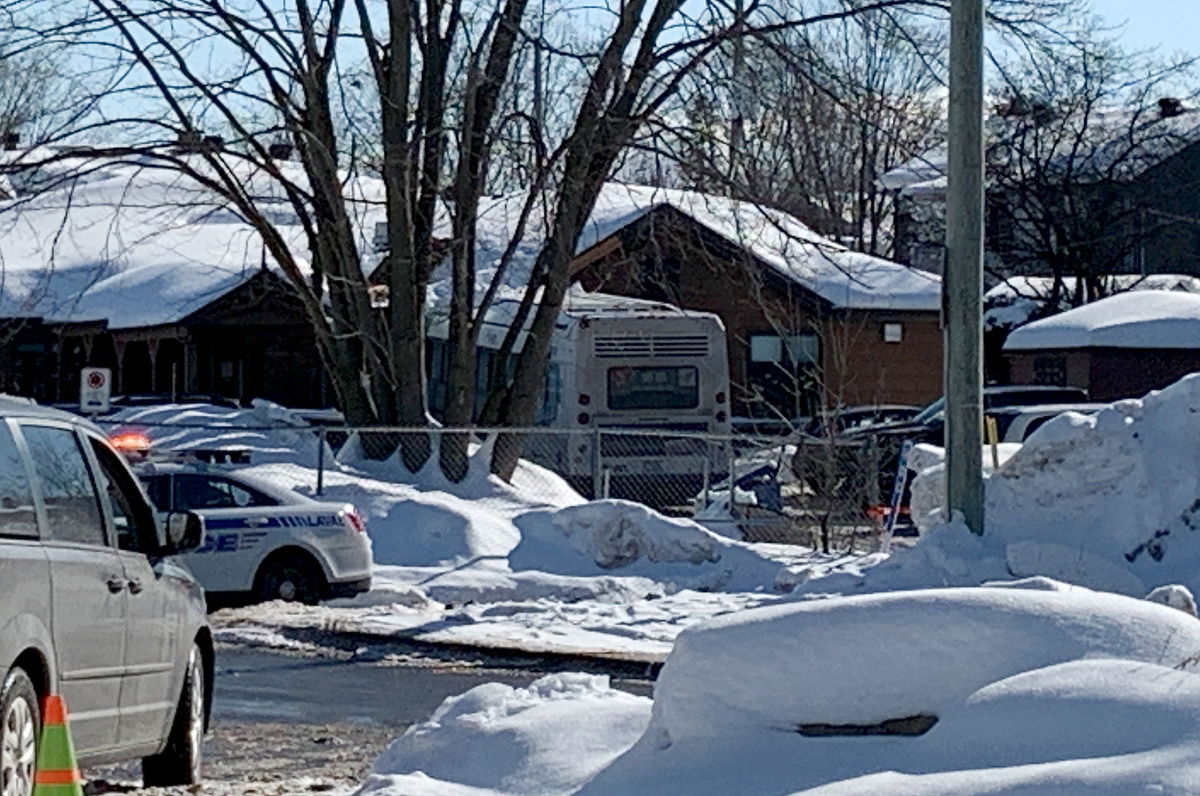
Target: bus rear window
{"type": "Point", "coordinates": [653, 388]}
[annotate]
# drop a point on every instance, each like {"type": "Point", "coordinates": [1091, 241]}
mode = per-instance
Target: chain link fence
{"type": "Point", "coordinates": [824, 493]}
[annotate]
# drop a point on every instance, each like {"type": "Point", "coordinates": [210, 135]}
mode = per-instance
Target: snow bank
{"type": "Point", "coordinates": [618, 536]}
{"type": "Point", "coordinates": [1110, 501]}
{"type": "Point", "coordinates": [870, 658]}
{"type": "Point", "coordinates": [499, 739]}
{"type": "Point", "coordinates": [1036, 688]}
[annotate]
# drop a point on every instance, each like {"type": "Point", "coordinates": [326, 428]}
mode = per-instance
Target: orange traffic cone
{"type": "Point", "coordinates": [57, 774]}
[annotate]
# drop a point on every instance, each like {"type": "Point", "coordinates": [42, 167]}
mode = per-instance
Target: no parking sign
{"type": "Point", "coordinates": [95, 389]}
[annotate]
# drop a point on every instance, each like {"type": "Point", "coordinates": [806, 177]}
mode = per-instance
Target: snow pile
{"type": "Point", "coordinates": [1109, 501]}
{"type": "Point", "coordinates": [529, 741]}
{"type": "Point", "coordinates": [939, 645]}
{"type": "Point", "coordinates": [267, 432]}
{"type": "Point", "coordinates": [1044, 688]}
{"type": "Point", "coordinates": [618, 536]}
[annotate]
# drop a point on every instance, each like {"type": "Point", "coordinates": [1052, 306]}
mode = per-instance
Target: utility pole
{"type": "Point", "coordinates": [963, 284]}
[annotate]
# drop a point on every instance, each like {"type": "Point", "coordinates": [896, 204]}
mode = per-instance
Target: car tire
{"type": "Point", "coordinates": [291, 578]}
{"type": "Point", "coordinates": [20, 726]}
{"type": "Point", "coordinates": [179, 763]}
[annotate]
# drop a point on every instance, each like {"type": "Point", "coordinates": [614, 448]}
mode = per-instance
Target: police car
{"type": "Point", "coordinates": [262, 540]}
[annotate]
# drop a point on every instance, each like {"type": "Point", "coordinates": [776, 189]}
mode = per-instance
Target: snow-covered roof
{"type": "Point", "coordinates": [1014, 301]}
{"type": "Point", "coordinates": [134, 246]}
{"type": "Point", "coordinates": [845, 278]}
{"type": "Point", "coordinates": [1138, 319]}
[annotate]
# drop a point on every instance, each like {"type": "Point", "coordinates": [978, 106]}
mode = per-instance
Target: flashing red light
{"type": "Point", "coordinates": [720, 397]}
{"type": "Point", "coordinates": [721, 417]}
{"type": "Point", "coordinates": [584, 399]}
{"type": "Point", "coordinates": [584, 418]}
{"type": "Point", "coordinates": [130, 442]}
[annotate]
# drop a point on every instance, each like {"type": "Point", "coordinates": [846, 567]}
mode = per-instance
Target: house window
{"type": "Point", "coordinates": [782, 374]}
{"type": "Point", "coordinates": [893, 332]}
{"type": "Point", "coordinates": [1050, 370]}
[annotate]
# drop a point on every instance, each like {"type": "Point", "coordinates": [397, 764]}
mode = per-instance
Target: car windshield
{"type": "Point", "coordinates": [931, 412]}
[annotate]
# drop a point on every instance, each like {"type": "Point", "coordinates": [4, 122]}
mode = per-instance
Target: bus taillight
{"type": "Point", "coordinates": [584, 399]}
{"type": "Point", "coordinates": [720, 397]}
{"type": "Point", "coordinates": [584, 418]}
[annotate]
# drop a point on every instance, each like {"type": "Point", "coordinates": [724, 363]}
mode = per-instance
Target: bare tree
{"type": "Point", "coordinates": [1089, 163]}
{"type": "Point", "coordinates": [826, 110]}
{"type": "Point", "coordinates": [417, 95]}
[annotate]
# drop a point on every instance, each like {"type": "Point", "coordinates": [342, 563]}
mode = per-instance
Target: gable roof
{"type": "Point", "coordinates": [130, 246]}
{"type": "Point", "coordinates": [844, 278]}
{"type": "Point", "coordinates": [1138, 319]}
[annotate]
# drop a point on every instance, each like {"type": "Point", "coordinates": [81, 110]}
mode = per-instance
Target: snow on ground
{"type": "Point", "coordinates": [1110, 501]}
{"type": "Point", "coordinates": [500, 739]}
{"type": "Point", "coordinates": [1045, 688]}
{"type": "Point", "coordinates": [528, 565]}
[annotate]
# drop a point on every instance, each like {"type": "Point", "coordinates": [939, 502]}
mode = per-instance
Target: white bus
{"type": "Point", "coordinates": [636, 376]}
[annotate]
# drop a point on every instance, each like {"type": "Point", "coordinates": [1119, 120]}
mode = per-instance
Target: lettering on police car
{"type": "Point", "coordinates": [235, 540]}
{"type": "Point", "coordinates": [230, 542]}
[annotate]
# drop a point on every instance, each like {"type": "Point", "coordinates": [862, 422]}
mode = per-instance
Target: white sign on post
{"type": "Point", "coordinates": [95, 389]}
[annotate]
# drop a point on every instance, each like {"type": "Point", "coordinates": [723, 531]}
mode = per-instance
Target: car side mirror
{"type": "Point", "coordinates": [184, 531]}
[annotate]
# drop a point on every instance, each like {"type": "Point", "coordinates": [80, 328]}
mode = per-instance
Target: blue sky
{"type": "Point", "coordinates": [1171, 25]}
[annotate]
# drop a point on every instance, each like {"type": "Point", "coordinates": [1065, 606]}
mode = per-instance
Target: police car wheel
{"type": "Point", "coordinates": [19, 724]}
{"type": "Point", "coordinates": [291, 579]}
{"type": "Point", "coordinates": [179, 763]}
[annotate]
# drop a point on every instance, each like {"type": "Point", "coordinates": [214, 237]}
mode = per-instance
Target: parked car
{"type": "Point", "coordinates": [264, 541]}
{"type": "Point", "coordinates": [1016, 423]}
{"type": "Point", "coordinates": [858, 418]}
{"type": "Point", "coordinates": [95, 606]}
{"type": "Point", "coordinates": [928, 425]}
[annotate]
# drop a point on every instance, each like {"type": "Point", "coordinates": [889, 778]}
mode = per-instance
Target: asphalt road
{"type": "Point", "coordinates": [289, 724]}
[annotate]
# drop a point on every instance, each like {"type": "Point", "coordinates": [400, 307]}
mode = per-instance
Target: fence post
{"type": "Point", "coordinates": [320, 462]}
{"type": "Point", "coordinates": [732, 480]}
{"type": "Point", "coordinates": [596, 464]}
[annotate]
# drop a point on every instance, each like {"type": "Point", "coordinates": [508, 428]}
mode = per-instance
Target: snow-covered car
{"type": "Point", "coordinates": [263, 541]}
{"type": "Point", "coordinates": [1016, 423]}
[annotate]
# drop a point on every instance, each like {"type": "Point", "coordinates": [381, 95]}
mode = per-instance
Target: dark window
{"type": "Point", "coordinates": [72, 508]}
{"type": "Point", "coordinates": [158, 489]}
{"type": "Point", "coordinates": [212, 492]}
{"type": "Point", "coordinates": [782, 374]}
{"type": "Point", "coordinates": [1050, 370]}
{"type": "Point", "coordinates": [132, 518]}
{"type": "Point", "coordinates": [17, 514]}
{"type": "Point", "coordinates": [653, 388]}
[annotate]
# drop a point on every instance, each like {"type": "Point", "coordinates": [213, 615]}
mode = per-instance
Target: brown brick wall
{"type": "Point", "coordinates": [863, 369]}
{"type": "Point", "coordinates": [1109, 374]}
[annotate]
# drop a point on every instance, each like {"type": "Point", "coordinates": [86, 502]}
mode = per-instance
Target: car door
{"type": "Point", "coordinates": [157, 604]}
{"type": "Point", "coordinates": [88, 595]}
{"type": "Point", "coordinates": [236, 518]}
